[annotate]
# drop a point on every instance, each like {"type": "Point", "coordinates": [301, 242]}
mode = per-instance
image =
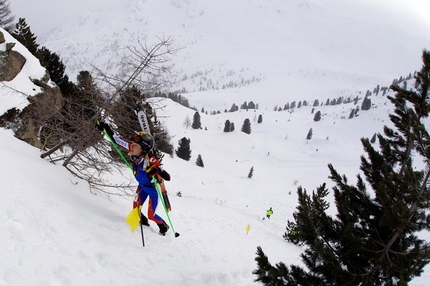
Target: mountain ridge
{"type": "Point", "coordinates": [303, 47]}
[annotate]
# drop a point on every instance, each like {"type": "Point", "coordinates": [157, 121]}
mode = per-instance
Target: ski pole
{"type": "Point", "coordinates": [141, 226]}
{"type": "Point", "coordinates": [157, 187]}
{"type": "Point", "coordinates": [117, 150]}
{"type": "Point", "coordinates": [131, 168]}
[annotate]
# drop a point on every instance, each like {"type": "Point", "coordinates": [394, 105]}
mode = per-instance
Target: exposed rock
{"type": "Point", "coordinates": [42, 107]}
{"type": "Point", "coordinates": [11, 62]}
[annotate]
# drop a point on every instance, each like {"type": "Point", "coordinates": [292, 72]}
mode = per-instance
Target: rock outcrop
{"type": "Point", "coordinates": [42, 106]}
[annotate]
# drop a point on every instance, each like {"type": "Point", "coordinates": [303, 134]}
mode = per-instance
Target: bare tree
{"type": "Point", "coordinates": [143, 67]}
{"type": "Point", "coordinates": [187, 122]}
{"type": "Point", "coordinates": [70, 137]}
{"type": "Point", "coordinates": [91, 156]}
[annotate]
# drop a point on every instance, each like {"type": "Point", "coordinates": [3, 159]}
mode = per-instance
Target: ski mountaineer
{"type": "Point", "coordinates": [144, 168]}
{"type": "Point", "coordinates": [269, 212]}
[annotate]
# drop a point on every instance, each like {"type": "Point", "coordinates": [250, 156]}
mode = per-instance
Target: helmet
{"type": "Point", "coordinates": [145, 140]}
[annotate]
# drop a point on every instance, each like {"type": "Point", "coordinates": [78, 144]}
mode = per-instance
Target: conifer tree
{"type": "Point", "coordinates": [56, 69]}
{"type": "Point", "coordinates": [317, 116]}
{"type": "Point", "coordinates": [24, 35]}
{"type": "Point", "coordinates": [309, 136]}
{"type": "Point", "coordinates": [196, 121]}
{"type": "Point", "coordinates": [199, 161]}
{"type": "Point", "coordinates": [231, 126]}
{"type": "Point", "coordinates": [244, 106]}
{"type": "Point", "coordinates": [6, 17]}
{"type": "Point", "coordinates": [234, 108]}
{"type": "Point", "coordinates": [246, 127]}
{"type": "Point", "coordinates": [227, 126]}
{"type": "Point", "coordinates": [373, 239]}
{"type": "Point", "coordinates": [293, 104]}
{"type": "Point", "coordinates": [260, 118]}
{"type": "Point", "coordinates": [251, 172]}
{"type": "Point", "coordinates": [184, 150]}
{"type": "Point", "coordinates": [367, 103]}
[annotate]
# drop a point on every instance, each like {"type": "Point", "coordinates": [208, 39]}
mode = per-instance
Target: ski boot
{"type": "Point", "coordinates": [163, 228]}
{"type": "Point", "coordinates": [144, 220]}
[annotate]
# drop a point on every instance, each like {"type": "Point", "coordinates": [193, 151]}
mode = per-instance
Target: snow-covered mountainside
{"type": "Point", "coordinates": [281, 49]}
{"type": "Point", "coordinates": [56, 232]}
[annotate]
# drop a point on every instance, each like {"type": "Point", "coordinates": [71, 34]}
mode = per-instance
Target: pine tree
{"type": "Point", "coordinates": [244, 106]}
{"type": "Point", "coordinates": [317, 116]}
{"type": "Point", "coordinates": [86, 91]}
{"type": "Point", "coordinates": [246, 127]}
{"type": "Point", "coordinates": [196, 121]}
{"type": "Point", "coordinates": [184, 150]}
{"type": "Point", "coordinates": [293, 104]}
{"type": "Point", "coordinates": [56, 69]}
{"type": "Point", "coordinates": [373, 239]}
{"type": "Point", "coordinates": [251, 172]}
{"type": "Point", "coordinates": [260, 118]}
{"type": "Point", "coordinates": [367, 103]}
{"type": "Point", "coordinates": [309, 136]}
{"type": "Point", "coordinates": [231, 126]}
{"type": "Point", "coordinates": [6, 17]}
{"type": "Point", "coordinates": [199, 161]}
{"type": "Point", "coordinates": [234, 108]}
{"type": "Point", "coordinates": [227, 126]}
{"type": "Point", "coordinates": [24, 35]}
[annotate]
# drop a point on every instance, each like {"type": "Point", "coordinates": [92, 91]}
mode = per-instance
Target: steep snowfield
{"type": "Point", "coordinates": [55, 232]}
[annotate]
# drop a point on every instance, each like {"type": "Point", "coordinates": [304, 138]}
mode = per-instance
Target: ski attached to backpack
{"type": "Point", "coordinates": [164, 193]}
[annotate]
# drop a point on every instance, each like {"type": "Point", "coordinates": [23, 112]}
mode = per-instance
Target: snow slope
{"type": "Point", "coordinates": [55, 232]}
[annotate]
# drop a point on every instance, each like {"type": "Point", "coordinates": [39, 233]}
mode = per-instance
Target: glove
{"type": "Point", "coordinates": [100, 125]}
{"type": "Point", "coordinates": [154, 161]}
{"type": "Point", "coordinates": [151, 170]}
